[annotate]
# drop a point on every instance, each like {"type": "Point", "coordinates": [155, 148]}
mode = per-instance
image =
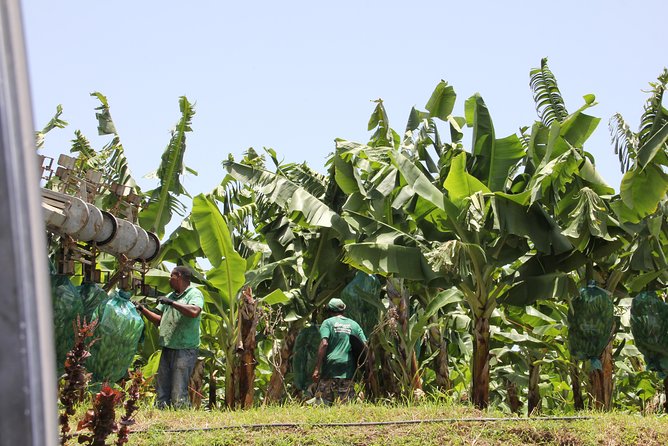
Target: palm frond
{"type": "Point", "coordinates": [157, 214]}
{"type": "Point", "coordinates": [241, 205]}
{"type": "Point", "coordinates": [241, 216]}
{"type": "Point", "coordinates": [171, 167]}
{"type": "Point", "coordinates": [54, 122]}
{"type": "Point", "coordinates": [81, 146]}
{"type": "Point", "coordinates": [384, 135]}
{"type": "Point", "coordinates": [305, 209]}
{"type": "Point", "coordinates": [116, 169]}
{"type": "Point", "coordinates": [654, 115]}
{"type": "Point", "coordinates": [525, 138]}
{"type": "Point", "coordinates": [624, 141]}
{"type": "Point", "coordinates": [547, 97]}
{"type": "Point", "coordinates": [420, 137]}
{"type": "Point", "coordinates": [314, 182]}
{"type": "Point", "coordinates": [105, 125]}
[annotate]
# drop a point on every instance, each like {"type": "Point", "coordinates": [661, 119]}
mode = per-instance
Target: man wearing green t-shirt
{"type": "Point", "coordinates": [178, 318]}
{"type": "Point", "coordinates": [335, 363]}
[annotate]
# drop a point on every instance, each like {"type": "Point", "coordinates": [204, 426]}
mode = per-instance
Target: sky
{"type": "Point", "coordinates": [295, 75]}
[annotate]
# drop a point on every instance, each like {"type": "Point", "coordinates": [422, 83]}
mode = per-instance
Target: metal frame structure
{"type": "Point", "coordinates": [28, 407]}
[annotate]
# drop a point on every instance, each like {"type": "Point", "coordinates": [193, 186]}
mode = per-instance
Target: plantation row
{"type": "Point", "coordinates": [498, 271]}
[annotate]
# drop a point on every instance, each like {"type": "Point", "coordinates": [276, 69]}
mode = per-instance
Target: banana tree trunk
{"type": "Point", "coordinates": [578, 402]}
{"type": "Point", "coordinates": [534, 393]}
{"type": "Point", "coordinates": [600, 381]}
{"type": "Point", "coordinates": [275, 386]}
{"type": "Point", "coordinates": [407, 352]}
{"type": "Point", "coordinates": [665, 391]}
{"type": "Point", "coordinates": [391, 385]}
{"type": "Point", "coordinates": [608, 365]}
{"type": "Point", "coordinates": [513, 398]}
{"type": "Point", "coordinates": [230, 378]}
{"type": "Point", "coordinates": [481, 363]}
{"type": "Point", "coordinates": [196, 384]}
{"type": "Point", "coordinates": [248, 320]}
{"type": "Point", "coordinates": [441, 363]}
{"type": "Point", "coordinates": [371, 384]}
{"type": "Point", "coordinates": [596, 389]}
{"type": "Point", "coordinates": [213, 399]}
{"type": "Point", "coordinates": [416, 381]}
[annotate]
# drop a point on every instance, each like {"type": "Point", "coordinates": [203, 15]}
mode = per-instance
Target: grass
{"type": "Point", "coordinates": [197, 427]}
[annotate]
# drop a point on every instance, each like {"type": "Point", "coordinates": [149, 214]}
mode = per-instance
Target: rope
{"type": "Point", "coordinates": [364, 423]}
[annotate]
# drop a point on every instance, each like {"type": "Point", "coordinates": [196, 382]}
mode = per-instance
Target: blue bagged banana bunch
{"type": "Point", "coordinates": [590, 324]}
{"type": "Point", "coordinates": [304, 358]}
{"type": "Point", "coordinates": [92, 296]}
{"type": "Point", "coordinates": [649, 325]}
{"type": "Point", "coordinates": [119, 330]}
{"type": "Point", "coordinates": [362, 298]}
{"type": "Point", "coordinates": [67, 305]}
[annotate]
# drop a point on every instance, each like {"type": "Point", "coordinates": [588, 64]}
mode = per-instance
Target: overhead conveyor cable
{"type": "Point", "coordinates": [363, 423]}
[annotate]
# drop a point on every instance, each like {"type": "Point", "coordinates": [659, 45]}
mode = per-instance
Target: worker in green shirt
{"type": "Point", "coordinates": [178, 318]}
{"type": "Point", "coordinates": [335, 363]}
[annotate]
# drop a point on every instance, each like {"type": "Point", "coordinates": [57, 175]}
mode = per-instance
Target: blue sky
{"type": "Point", "coordinates": [295, 75]}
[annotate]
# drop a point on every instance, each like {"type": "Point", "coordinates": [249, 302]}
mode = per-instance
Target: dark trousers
{"type": "Point", "coordinates": [171, 385]}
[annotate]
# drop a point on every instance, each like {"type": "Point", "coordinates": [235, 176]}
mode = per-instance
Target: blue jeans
{"type": "Point", "coordinates": [171, 385]}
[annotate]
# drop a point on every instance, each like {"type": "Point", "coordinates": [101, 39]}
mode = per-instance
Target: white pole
{"type": "Point", "coordinates": [28, 408]}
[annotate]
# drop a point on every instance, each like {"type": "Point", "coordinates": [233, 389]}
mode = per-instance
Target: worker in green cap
{"type": "Point", "coordinates": [336, 363]}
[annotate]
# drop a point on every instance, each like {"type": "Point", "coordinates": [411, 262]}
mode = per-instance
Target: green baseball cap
{"type": "Point", "coordinates": [336, 305]}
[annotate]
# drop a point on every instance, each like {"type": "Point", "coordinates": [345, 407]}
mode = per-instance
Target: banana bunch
{"type": "Point", "coordinates": [67, 305]}
{"type": "Point", "coordinates": [358, 296]}
{"type": "Point", "coordinates": [304, 358]}
{"type": "Point", "coordinates": [649, 325]}
{"type": "Point", "coordinates": [92, 296]}
{"type": "Point", "coordinates": [119, 330]}
{"type": "Point", "coordinates": [590, 324]}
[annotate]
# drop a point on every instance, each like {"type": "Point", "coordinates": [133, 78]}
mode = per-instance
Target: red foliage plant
{"type": "Point", "coordinates": [75, 379]}
{"type": "Point", "coordinates": [130, 405]}
{"type": "Point", "coordinates": [101, 419]}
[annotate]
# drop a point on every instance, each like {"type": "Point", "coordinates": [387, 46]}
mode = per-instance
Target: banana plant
{"type": "Point", "coordinates": [163, 201]}
{"type": "Point", "coordinates": [642, 155]}
{"type": "Point", "coordinates": [54, 122]}
{"type": "Point", "coordinates": [531, 348]}
{"type": "Point", "coordinates": [224, 281]}
{"type": "Point", "coordinates": [464, 217]}
{"type": "Point", "coordinates": [304, 233]}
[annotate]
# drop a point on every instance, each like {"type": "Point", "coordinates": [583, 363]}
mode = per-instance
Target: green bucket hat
{"type": "Point", "coordinates": [336, 305]}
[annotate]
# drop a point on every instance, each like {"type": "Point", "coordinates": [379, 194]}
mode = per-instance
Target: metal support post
{"type": "Point", "coordinates": [28, 408]}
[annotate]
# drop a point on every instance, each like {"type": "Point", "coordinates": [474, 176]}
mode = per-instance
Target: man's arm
{"type": "Point", "coordinates": [148, 314]}
{"type": "Point", "coordinates": [322, 351]}
{"type": "Point", "coordinates": [188, 310]}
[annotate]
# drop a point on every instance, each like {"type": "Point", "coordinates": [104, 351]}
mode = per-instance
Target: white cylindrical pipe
{"type": "Point", "coordinates": [108, 229]}
{"type": "Point", "coordinates": [65, 214]}
{"type": "Point", "coordinates": [124, 240]}
{"type": "Point", "coordinates": [152, 249]}
{"type": "Point", "coordinates": [140, 246]}
{"type": "Point", "coordinates": [92, 226]}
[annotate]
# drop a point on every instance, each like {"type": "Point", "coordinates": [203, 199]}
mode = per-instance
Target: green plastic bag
{"type": "Point", "coordinates": [119, 330]}
{"type": "Point", "coordinates": [590, 323]}
{"type": "Point", "coordinates": [649, 325]}
{"type": "Point", "coordinates": [362, 299]}
{"type": "Point", "coordinates": [67, 305]}
{"type": "Point", "coordinates": [92, 296]}
{"type": "Point", "coordinates": [304, 358]}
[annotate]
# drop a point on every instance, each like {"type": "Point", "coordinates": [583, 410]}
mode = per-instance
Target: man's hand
{"type": "Point", "coordinates": [138, 306]}
{"type": "Point", "coordinates": [165, 301]}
